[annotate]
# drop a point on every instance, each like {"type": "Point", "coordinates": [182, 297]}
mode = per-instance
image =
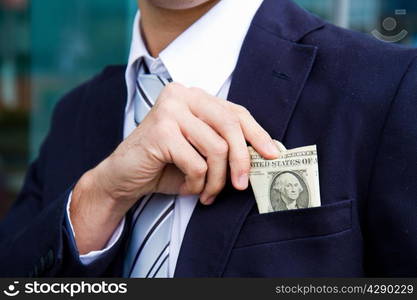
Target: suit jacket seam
{"type": "Point", "coordinates": [295, 41]}
{"type": "Point", "coordinates": [301, 238]}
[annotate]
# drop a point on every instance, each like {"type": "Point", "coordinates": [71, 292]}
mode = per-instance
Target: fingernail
{"type": "Point", "coordinates": [206, 201]}
{"type": "Point", "coordinates": [209, 200]}
{"type": "Point", "coordinates": [243, 181]}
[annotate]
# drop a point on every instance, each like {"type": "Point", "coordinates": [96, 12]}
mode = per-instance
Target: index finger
{"type": "Point", "coordinates": [258, 137]}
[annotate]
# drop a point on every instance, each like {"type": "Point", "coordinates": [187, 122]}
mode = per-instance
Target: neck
{"type": "Point", "coordinates": [160, 26]}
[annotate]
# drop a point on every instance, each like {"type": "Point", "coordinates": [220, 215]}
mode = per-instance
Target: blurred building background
{"type": "Point", "coordinates": [48, 47]}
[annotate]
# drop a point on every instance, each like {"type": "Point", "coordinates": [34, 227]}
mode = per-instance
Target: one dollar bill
{"type": "Point", "coordinates": [289, 182]}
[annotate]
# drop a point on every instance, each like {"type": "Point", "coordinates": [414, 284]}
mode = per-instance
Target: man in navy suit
{"type": "Point", "coordinates": [297, 79]}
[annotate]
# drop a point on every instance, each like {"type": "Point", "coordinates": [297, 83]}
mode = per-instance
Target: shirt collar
{"type": "Point", "coordinates": [205, 54]}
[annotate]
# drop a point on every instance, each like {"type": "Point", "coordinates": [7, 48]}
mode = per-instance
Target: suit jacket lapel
{"type": "Point", "coordinates": [270, 75]}
{"type": "Point", "coordinates": [270, 82]}
{"type": "Point", "coordinates": [105, 116]}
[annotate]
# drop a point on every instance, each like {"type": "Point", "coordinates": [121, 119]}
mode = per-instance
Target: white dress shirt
{"type": "Point", "coordinates": [203, 56]}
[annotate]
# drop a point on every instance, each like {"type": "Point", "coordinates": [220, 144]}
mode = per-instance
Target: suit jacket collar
{"type": "Point", "coordinates": [270, 75]}
{"type": "Point", "coordinates": [286, 20]}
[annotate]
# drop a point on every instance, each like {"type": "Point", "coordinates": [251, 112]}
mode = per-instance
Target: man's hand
{"type": "Point", "coordinates": [185, 145]}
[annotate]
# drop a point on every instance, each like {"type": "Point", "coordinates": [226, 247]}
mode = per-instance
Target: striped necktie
{"type": "Point", "coordinates": [148, 87]}
{"type": "Point", "coordinates": [148, 249]}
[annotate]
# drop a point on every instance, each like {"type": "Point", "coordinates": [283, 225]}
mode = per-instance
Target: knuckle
{"type": "Point", "coordinates": [171, 89]}
{"type": "Point", "coordinates": [242, 162]}
{"type": "Point", "coordinates": [173, 86]}
{"type": "Point", "coordinates": [220, 148]}
{"type": "Point", "coordinates": [261, 134]}
{"type": "Point", "coordinates": [241, 110]}
{"type": "Point", "coordinates": [195, 189]}
{"type": "Point", "coordinates": [165, 109]}
{"type": "Point", "coordinates": [199, 170]}
{"type": "Point", "coordinates": [230, 120]}
{"type": "Point", "coordinates": [163, 128]}
{"type": "Point", "coordinates": [196, 95]}
{"type": "Point", "coordinates": [196, 91]}
{"type": "Point", "coordinates": [166, 106]}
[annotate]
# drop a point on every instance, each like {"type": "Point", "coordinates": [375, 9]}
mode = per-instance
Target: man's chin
{"type": "Point", "coordinates": [178, 4]}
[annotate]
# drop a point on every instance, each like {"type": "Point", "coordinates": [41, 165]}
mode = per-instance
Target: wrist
{"type": "Point", "coordinates": [94, 215]}
{"type": "Point", "coordinates": [118, 188]}
{"type": "Point", "coordinates": [92, 193]}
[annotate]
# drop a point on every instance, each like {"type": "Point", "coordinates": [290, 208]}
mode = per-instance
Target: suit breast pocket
{"type": "Point", "coordinates": [296, 224]}
{"type": "Point", "coordinates": [321, 241]}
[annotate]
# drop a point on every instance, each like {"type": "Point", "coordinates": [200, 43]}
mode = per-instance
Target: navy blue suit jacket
{"type": "Point", "coordinates": [306, 82]}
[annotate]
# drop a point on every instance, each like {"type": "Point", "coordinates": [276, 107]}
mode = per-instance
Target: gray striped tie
{"type": "Point", "coordinates": [148, 249]}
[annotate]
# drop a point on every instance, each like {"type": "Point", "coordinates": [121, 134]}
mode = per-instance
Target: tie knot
{"type": "Point", "coordinates": [148, 88]}
{"type": "Point", "coordinates": [151, 85]}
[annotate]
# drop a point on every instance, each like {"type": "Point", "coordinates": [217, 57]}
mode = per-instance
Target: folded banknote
{"type": "Point", "coordinates": [289, 182]}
